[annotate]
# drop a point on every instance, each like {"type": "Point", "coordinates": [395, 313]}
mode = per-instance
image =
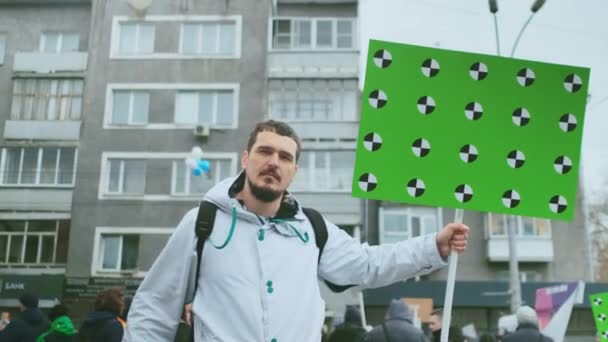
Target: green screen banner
{"type": "Point", "coordinates": [463, 130]}
{"type": "Point", "coordinates": [599, 306]}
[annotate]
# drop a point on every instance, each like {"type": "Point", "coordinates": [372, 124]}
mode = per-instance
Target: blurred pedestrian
{"type": "Point", "coordinates": [62, 329]}
{"type": "Point", "coordinates": [5, 319]}
{"type": "Point", "coordinates": [29, 324]}
{"type": "Point", "coordinates": [103, 325]}
{"type": "Point", "coordinates": [351, 330]}
{"type": "Point", "coordinates": [527, 327]}
{"type": "Point", "coordinates": [398, 326]}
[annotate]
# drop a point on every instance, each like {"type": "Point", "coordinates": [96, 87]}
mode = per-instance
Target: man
{"type": "Point", "coordinates": [29, 324]}
{"type": "Point", "coordinates": [435, 324]}
{"type": "Point", "coordinates": [259, 271]}
{"type": "Point", "coordinates": [398, 326]}
{"type": "Point", "coordinates": [351, 330]}
{"type": "Point", "coordinates": [527, 327]}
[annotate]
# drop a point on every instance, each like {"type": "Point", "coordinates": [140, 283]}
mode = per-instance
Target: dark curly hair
{"type": "Point", "coordinates": [111, 299]}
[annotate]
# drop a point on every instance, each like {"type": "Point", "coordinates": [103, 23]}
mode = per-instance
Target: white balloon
{"type": "Point", "coordinates": [197, 152]}
{"type": "Point", "coordinates": [192, 163]}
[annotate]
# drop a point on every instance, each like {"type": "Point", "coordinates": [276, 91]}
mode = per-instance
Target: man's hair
{"type": "Point", "coordinates": [110, 299]}
{"type": "Point", "coordinates": [277, 127]}
{"type": "Point", "coordinates": [58, 311]}
{"type": "Point", "coordinates": [437, 312]}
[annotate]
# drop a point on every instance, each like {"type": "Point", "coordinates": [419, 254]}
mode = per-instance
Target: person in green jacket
{"type": "Point", "coordinates": [62, 329]}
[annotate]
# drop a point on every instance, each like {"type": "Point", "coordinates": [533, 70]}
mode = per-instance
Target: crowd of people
{"type": "Point", "coordinates": [399, 325]}
{"type": "Point", "coordinates": [105, 323]}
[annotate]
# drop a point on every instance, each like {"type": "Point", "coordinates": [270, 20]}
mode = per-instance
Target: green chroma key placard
{"type": "Point", "coordinates": [472, 131]}
{"type": "Point", "coordinates": [599, 306]}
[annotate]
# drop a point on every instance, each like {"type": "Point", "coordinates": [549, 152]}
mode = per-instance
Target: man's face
{"type": "Point", "coordinates": [435, 323]}
{"type": "Point", "coordinates": [270, 165]}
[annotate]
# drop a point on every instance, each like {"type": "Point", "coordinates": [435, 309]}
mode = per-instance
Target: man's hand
{"type": "Point", "coordinates": [452, 236]}
{"type": "Point", "coordinates": [188, 313]}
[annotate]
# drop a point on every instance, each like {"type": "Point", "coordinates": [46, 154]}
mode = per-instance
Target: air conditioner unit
{"type": "Point", "coordinates": [201, 131]}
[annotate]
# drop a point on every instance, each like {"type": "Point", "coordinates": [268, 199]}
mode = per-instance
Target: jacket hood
{"type": "Point", "coordinates": [223, 195]}
{"type": "Point", "coordinates": [63, 325]}
{"type": "Point", "coordinates": [33, 316]}
{"type": "Point", "coordinates": [398, 309]}
{"type": "Point", "coordinates": [352, 316]}
{"type": "Point", "coordinates": [97, 316]}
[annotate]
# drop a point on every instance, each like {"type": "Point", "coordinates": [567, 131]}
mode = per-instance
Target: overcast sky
{"type": "Point", "coordinates": [563, 31]}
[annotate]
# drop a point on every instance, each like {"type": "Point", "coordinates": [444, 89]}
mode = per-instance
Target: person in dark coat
{"type": "Point", "coordinates": [29, 324]}
{"type": "Point", "coordinates": [103, 324]}
{"type": "Point", "coordinates": [351, 330]}
{"type": "Point", "coordinates": [398, 326]}
{"type": "Point", "coordinates": [527, 327]}
{"type": "Point", "coordinates": [62, 329]}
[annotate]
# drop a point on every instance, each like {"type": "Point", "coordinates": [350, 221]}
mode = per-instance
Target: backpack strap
{"type": "Point", "coordinates": [320, 229]}
{"type": "Point", "coordinates": [203, 229]}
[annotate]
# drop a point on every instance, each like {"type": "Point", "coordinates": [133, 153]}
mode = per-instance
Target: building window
{"type": "Point", "coordinates": [119, 252]}
{"type": "Point", "coordinates": [136, 38]}
{"type": "Point", "coordinates": [130, 107]}
{"type": "Point", "coordinates": [313, 33]}
{"type": "Point", "coordinates": [313, 100]}
{"type": "Point", "coordinates": [47, 99]}
{"type": "Point", "coordinates": [208, 38]}
{"type": "Point", "coordinates": [56, 42]}
{"type": "Point", "coordinates": [2, 48]}
{"type": "Point", "coordinates": [126, 176]}
{"type": "Point", "coordinates": [398, 224]}
{"type": "Point", "coordinates": [322, 171]}
{"type": "Point", "coordinates": [216, 107]}
{"type": "Point", "coordinates": [524, 226]}
{"type": "Point", "coordinates": [184, 183]}
{"type": "Point", "coordinates": [44, 166]}
{"type": "Point", "coordinates": [34, 242]}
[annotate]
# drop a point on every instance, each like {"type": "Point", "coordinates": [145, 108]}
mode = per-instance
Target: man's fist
{"type": "Point", "coordinates": [453, 236]}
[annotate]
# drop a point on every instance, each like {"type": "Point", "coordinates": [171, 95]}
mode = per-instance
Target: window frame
{"type": "Point", "coordinates": [60, 44]}
{"type": "Point", "coordinates": [199, 41]}
{"type": "Point", "coordinates": [21, 94]}
{"type": "Point", "coordinates": [40, 152]}
{"type": "Point", "coordinates": [173, 87]}
{"type": "Point", "coordinates": [3, 46]}
{"type": "Point", "coordinates": [4, 260]}
{"type": "Point", "coordinates": [170, 156]}
{"type": "Point", "coordinates": [519, 234]}
{"type": "Point", "coordinates": [314, 21]}
{"type": "Point", "coordinates": [98, 252]}
{"type": "Point", "coordinates": [328, 171]}
{"type": "Point", "coordinates": [188, 177]}
{"type": "Point", "coordinates": [409, 213]}
{"type": "Point", "coordinates": [179, 19]}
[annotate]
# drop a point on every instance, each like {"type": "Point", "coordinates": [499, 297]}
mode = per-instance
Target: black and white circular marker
{"type": "Point", "coordinates": [421, 147]}
{"type": "Point", "coordinates": [516, 159]}
{"type": "Point", "coordinates": [567, 122]}
{"type": "Point", "coordinates": [478, 71]}
{"type": "Point", "coordinates": [573, 83]}
{"type": "Point", "coordinates": [521, 117]}
{"type": "Point", "coordinates": [416, 187]}
{"type": "Point", "coordinates": [426, 105]}
{"type": "Point", "coordinates": [598, 301]}
{"type": "Point", "coordinates": [525, 77]}
{"type": "Point", "coordinates": [377, 99]}
{"type": "Point", "coordinates": [602, 317]}
{"type": "Point", "coordinates": [562, 165]}
{"type": "Point", "coordinates": [473, 111]}
{"type": "Point", "coordinates": [468, 153]}
{"type": "Point", "coordinates": [372, 142]}
{"type": "Point", "coordinates": [605, 334]}
{"type": "Point", "coordinates": [511, 199]}
{"type": "Point", "coordinates": [368, 182]}
{"type": "Point", "coordinates": [430, 67]}
{"type": "Point", "coordinates": [382, 58]}
{"type": "Point", "coordinates": [558, 204]}
{"type": "Point", "coordinates": [463, 193]}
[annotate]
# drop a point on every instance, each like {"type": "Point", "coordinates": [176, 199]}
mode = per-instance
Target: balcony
{"type": "Point", "coordinates": [529, 249]}
{"type": "Point", "coordinates": [47, 199]}
{"type": "Point", "coordinates": [319, 131]}
{"type": "Point", "coordinates": [42, 130]}
{"type": "Point", "coordinates": [313, 64]}
{"type": "Point", "coordinates": [41, 62]}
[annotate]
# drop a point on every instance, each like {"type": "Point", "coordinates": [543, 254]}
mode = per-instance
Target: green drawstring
{"type": "Point", "coordinates": [230, 233]}
{"type": "Point", "coordinates": [303, 239]}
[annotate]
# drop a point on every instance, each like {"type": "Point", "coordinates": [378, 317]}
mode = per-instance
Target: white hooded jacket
{"type": "Point", "coordinates": [263, 284]}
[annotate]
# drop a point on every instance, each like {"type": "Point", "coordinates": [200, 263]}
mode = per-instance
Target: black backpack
{"type": "Point", "coordinates": [204, 227]}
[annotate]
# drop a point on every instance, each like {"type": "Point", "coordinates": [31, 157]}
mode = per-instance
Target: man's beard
{"type": "Point", "coordinates": [263, 194]}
